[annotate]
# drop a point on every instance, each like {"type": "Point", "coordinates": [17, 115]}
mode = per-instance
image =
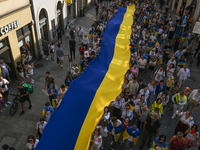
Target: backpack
{"type": "Point", "coordinates": [28, 87]}
{"type": "Point", "coordinates": [71, 32]}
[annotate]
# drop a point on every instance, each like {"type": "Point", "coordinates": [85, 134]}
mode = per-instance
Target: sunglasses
{"type": "Point", "coordinates": [30, 140]}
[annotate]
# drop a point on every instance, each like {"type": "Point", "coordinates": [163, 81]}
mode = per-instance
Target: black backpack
{"type": "Point", "coordinates": [71, 33]}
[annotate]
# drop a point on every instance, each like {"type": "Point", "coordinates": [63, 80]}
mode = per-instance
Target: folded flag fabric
{"type": "Point", "coordinates": [71, 125]}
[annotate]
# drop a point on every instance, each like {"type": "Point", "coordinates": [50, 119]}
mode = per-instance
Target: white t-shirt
{"type": "Point", "coordinates": [1, 83]}
{"type": "Point", "coordinates": [142, 63]}
{"type": "Point", "coordinates": [171, 70]}
{"type": "Point", "coordinates": [159, 75]}
{"type": "Point", "coordinates": [41, 127]}
{"type": "Point", "coordinates": [29, 145]}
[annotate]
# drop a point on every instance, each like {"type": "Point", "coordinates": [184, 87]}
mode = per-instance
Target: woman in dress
{"type": "Point", "coordinates": [185, 122]}
{"type": "Point", "coordinates": [40, 127]}
{"type": "Point", "coordinates": [31, 142]}
{"type": "Point", "coordinates": [177, 142]}
{"type": "Point", "coordinates": [97, 141]}
{"type": "Point", "coordinates": [192, 136]}
{"type": "Point", "coordinates": [173, 90]}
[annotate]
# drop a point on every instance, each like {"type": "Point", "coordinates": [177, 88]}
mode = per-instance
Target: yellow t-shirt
{"type": "Point", "coordinates": [170, 82]}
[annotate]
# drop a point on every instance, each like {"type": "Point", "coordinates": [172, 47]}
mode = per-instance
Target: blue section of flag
{"type": "Point", "coordinates": [65, 123]}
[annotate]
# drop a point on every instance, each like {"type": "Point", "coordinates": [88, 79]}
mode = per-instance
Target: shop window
{"type": "Point", "coordinates": [26, 28]}
{"type": "Point", "coordinates": [3, 43]}
{"type": "Point", "coordinates": [24, 39]}
{"type": "Point", "coordinates": [19, 33]}
{"type": "Point", "coordinates": [4, 46]}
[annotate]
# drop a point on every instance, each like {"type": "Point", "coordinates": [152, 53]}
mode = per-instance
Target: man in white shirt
{"type": "Point", "coordinates": [80, 33]}
{"type": "Point", "coordinates": [183, 74]}
{"type": "Point", "coordinates": [142, 63]}
{"type": "Point", "coordinates": [194, 99]}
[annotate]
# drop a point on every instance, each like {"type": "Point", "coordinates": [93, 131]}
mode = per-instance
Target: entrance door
{"type": "Point", "coordinates": [43, 31]}
{"type": "Point", "coordinates": [43, 21]}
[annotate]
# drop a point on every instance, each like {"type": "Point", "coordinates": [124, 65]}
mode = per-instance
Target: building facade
{"type": "Point", "coordinates": [17, 34]}
{"type": "Point", "coordinates": [49, 14]}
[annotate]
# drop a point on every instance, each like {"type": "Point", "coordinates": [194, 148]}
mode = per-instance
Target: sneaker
{"type": "Point", "coordinates": [6, 105]}
{"type": "Point", "coordinates": [8, 102]}
{"type": "Point", "coordinates": [173, 116]}
{"type": "Point", "coordinates": [47, 58]}
{"type": "Point", "coordinates": [22, 113]}
{"type": "Point", "coordinates": [61, 66]}
{"type": "Point", "coordinates": [29, 106]}
{"type": "Point", "coordinates": [33, 80]}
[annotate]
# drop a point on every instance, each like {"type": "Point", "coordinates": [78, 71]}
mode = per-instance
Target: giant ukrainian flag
{"type": "Point", "coordinates": [71, 125]}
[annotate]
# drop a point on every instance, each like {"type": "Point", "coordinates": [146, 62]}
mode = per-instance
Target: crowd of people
{"type": "Point", "coordinates": [157, 49]}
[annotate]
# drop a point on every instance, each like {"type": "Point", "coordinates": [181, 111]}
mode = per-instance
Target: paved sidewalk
{"type": "Point", "coordinates": [14, 130]}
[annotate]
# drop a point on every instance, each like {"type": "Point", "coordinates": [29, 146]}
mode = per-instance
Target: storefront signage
{"type": "Point", "coordinates": [9, 27]}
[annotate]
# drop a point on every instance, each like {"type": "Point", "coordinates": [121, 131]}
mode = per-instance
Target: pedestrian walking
{"type": "Point", "coordinates": [45, 48]}
{"type": "Point", "coordinates": [24, 97]}
{"type": "Point", "coordinates": [60, 55]}
{"type": "Point", "coordinates": [72, 47]}
{"type": "Point", "coordinates": [183, 75]}
{"type": "Point", "coordinates": [48, 80]}
{"type": "Point", "coordinates": [59, 34]}
{"type": "Point", "coordinates": [151, 128]}
{"type": "Point", "coordinates": [179, 100]}
{"type": "Point", "coordinates": [193, 100]}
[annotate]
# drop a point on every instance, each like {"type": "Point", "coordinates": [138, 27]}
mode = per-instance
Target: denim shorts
{"type": "Point", "coordinates": [129, 144]}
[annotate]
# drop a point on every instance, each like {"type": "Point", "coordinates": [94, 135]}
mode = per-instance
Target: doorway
{"type": "Point", "coordinates": [43, 21]}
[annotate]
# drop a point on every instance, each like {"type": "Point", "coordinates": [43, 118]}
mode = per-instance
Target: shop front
{"type": "Point", "coordinates": [17, 37]}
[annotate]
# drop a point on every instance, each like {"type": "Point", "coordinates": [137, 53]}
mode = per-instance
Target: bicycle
{"type": "Point", "coordinates": [14, 106]}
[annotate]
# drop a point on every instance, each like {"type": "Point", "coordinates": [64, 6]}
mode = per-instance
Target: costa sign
{"type": "Point", "coordinates": [9, 27]}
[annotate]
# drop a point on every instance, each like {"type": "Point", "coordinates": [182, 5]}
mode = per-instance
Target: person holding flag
{"type": "Point", "coordinates": [131, 135]}
{"type": "Point", "coordinates": [115, 128]}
